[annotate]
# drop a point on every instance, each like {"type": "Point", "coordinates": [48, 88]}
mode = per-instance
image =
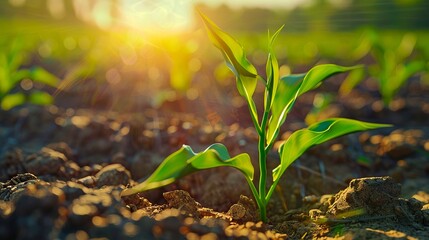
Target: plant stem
{"type": "Point", "coordinates": [271, 190]}
{"type": "Point", "coordinates": [263, 167]}
{"type": "Point", "coordinates": [262, 175]}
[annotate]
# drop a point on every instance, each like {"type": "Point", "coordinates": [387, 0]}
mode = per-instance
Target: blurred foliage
{"type": "Point", "coordinates": [101, 61]}
{"type": "Point", "coordinates": [325, 15]}
{"type": "Point", "coordinates": [394, 64]}
{"type": "Point", "coordinates": [17, 81]}
{"type": "Point", "coordinates": [320, 104]}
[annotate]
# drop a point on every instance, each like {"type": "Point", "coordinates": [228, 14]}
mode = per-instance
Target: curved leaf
{"type": "Point", "coordinates": [233, 52]}
{"type": "Point", "coordinates": [10, 101]}
{"type": "Point", "coordinates": [352, 80]}
{"type": "Point", "coordinates": [398, 77]}
{"type": "Point", "coordinates": [37, 74]}
{"type": "Point", "coordinates": [40, 98]}
{"type": "Point", "coordinates": [316, 134]}
{"type": "Point", "coordinates": [185, 161]}
{"type": "Point", "coordinates": [40, 75]}
{"type": "Point", "coordinates": [272, 70]}
{"type": "Point", "coordinates": [291, 87]}
{"type": "Point", "coordinates": [235, 58]}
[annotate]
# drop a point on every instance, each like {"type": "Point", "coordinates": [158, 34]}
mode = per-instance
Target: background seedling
{"type": "Point", "coordinates": [392, 69]}
{"type": "Point", "coordinates": [13, 56]}
{"type": "Point", "coordinates": [280, 96]}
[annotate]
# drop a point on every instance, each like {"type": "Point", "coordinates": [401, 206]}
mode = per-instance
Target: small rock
{"type": "Point", "coordinates": [20, 178]}
{"type": "Point", "coordinates": [14, 188]}
{"type": "Point", "coordinates": [244, 211]}
{"type": "Point", "coordinates": [237, 211]}
{"type": "Point", "coordinates": [63, 148]}
{"type": "Point", "coordinates": [113, 175]}
{"type": "Point", "coordinates": [88, 181]}
{"type": "Point", "coordinates": [135, 202]}
{"type": "Point", "coordinates": [183, 201]}
{"type": "Point", "coordinates": [46, 161]}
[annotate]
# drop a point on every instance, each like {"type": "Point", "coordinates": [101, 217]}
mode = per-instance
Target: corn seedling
{"type": "Point", "coordinates": [280, 95]}
{"type": "Point", "coordinates": [12, 73]}
{"type": "Point", "coordinates": [392, 69]}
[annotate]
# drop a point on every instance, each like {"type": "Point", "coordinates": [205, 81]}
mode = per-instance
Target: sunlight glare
{"type": "Point", "coordinates": [158, 16]}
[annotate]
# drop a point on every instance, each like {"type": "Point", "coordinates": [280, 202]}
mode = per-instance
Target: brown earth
{"type": "Point", "coordinates": [62, 171]}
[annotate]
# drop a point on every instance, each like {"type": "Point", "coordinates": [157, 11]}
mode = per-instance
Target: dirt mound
{"type": "Point", "coordinates": [370, 208]}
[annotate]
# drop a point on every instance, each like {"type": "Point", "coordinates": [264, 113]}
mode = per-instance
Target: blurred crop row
{"type": "Point", "coordinates": [83, 54]}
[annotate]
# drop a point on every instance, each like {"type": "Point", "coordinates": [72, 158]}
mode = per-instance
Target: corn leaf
{"type": "Point", "coordinates": [233, 52]}
{"type": "Point", "coordinates": [352, 80]}
{"type": "Point", "coordinates": [40, 75]}
{"type": "Point", "coordinates": [37, 74]}
{"type": "Point", "coordinates": [10, 101]}
{"type": "Point", "coordinates": [235, 58]}
{"type": "Point", "coordinates": [291, 87]}
{"type": "Point", "coordinates": [316, 134]}
{"type": "Point", "coordinates": [272, 70]}
{"type": "Point", "coordinates": [185, 161]}
{"type": "Point", "coordinates": [398, 77]}
{"type": "Point", "coordinates": [40, 98]}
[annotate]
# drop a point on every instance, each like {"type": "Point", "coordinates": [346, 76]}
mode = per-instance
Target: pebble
{"type": "Point", "coordinates": [46, 161]}
{"type": "Point", "coordinates": [88, 181]}
{"type": "Point", "coordinates": [63, 148]}
{"type": "Point", "coordinates": [113, 175]}
{"type": "Point", "coordinates": [15, 187]}
{"type": "Point", "coordinates": [244, 211]}
{"type": "Point", "coordinates": [136, 201]}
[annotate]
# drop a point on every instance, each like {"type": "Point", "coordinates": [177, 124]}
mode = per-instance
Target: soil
{"type": "Point", "coordinates": [62, 171]}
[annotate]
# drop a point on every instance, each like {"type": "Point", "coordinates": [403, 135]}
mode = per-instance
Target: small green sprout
{"type": "Point", "coordinates": [393, 66]}
{"type": "Point", "coordinates": [280, 96]}
{"type": "Point", "coordinates": [12, 57]}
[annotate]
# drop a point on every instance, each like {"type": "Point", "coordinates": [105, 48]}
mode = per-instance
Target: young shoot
{"type": "Point", "coordinates": [280, 96]}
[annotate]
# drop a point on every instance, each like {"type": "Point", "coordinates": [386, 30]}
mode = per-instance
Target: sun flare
{"type": "Point", "coordinates": [157, 15]}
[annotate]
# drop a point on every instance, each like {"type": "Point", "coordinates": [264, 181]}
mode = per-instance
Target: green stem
{"type": "Point", "coordinates": [263, 167]}
{"type": "Point", "coordinates": [262, 171]}
{"type": "Point", "coordinates": [263, 212]}
{"type": "Point", "coordinates": [271, 190]}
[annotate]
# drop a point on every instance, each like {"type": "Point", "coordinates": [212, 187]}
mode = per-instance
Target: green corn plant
{"type": "Point", "coordinates": [12, 57]}
{"type": "Point", "coordinates": [280, 95]}
{"type": "Point", "coordinates": [392, 69]}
